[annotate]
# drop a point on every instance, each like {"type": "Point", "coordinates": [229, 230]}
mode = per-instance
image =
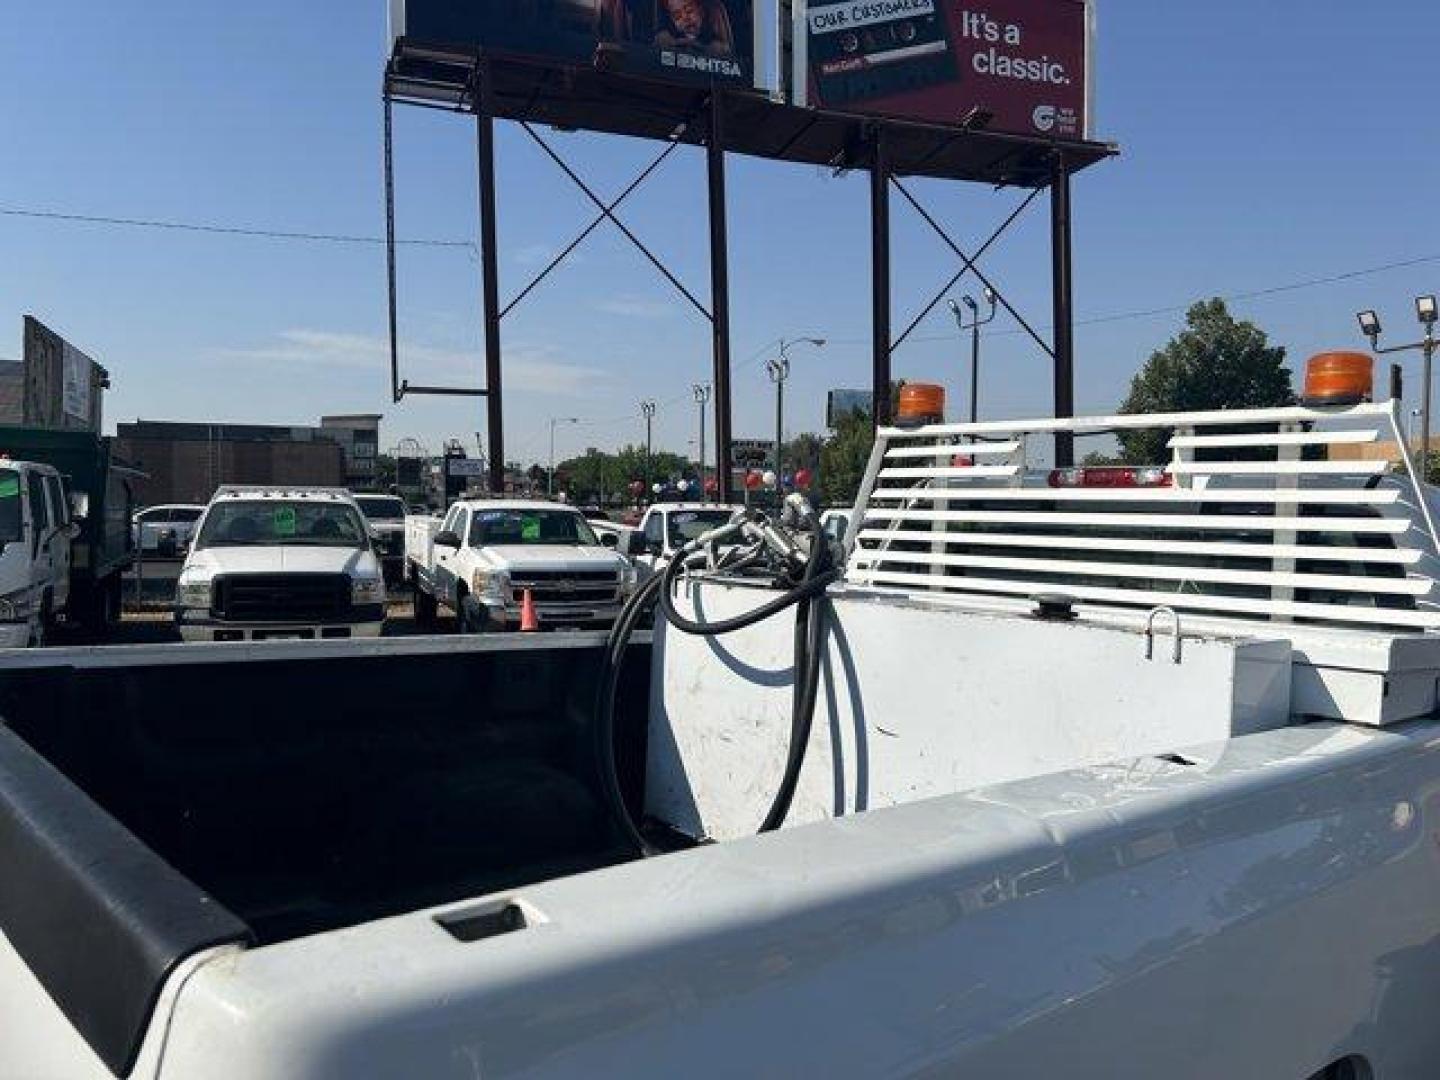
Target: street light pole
{"type": "Point", "coordinates": [976, 321]}
{"type": "Point", "coordinates": [550, 478]}
{"type": "Point", "coordinates": [647, 410]}
{"type": "Point", "coordinates": [778, 367]}
{"type": "Point", "coordinates": [1428, 312]}
{"type": "Point", "coordinates": [702, 398]}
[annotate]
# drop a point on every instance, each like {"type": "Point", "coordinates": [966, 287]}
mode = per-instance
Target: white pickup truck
{"type": "Point", "coordinates": [1181, 824]}
{"type": "Point", "coordinates": [667, 527]}
{"type": "Point", "coordinates": [280, 564]}
{"type": "Point", "coordinates": [482, 558]}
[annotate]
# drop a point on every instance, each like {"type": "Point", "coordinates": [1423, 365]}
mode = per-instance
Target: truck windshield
{"type": "Point", "coordinates": [9, 506]}
{"type": "Point", "coordinates": [275, 522]}
{"type": "Point", "coordinates": [530, 527]}
{"type": "Point", "coordinates": [381, 508]}
{"type": "Point", "coordinates": [686, 525]}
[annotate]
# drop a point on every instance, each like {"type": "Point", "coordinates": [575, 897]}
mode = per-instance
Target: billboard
{"type": "Point", "coordinates": [1015, 66]}
{"type": "Point", "coordinates": [752, 453]}
{"type": "Point", "coordinates": [61, 384]}
{"type": "Point", "coordinates": [840, 403]}
{"type": "Point", "coordinates": [680, 40]}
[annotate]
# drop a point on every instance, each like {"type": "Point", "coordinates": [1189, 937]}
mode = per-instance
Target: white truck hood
{"type": "Point", "coordinates": [297, 559]}
{"type": "Point", "coordinates": [549, 557]}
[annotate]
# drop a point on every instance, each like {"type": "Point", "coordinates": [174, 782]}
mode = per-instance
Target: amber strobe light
{"type": "Point", "coordinates": [1339, 378]}
{"type": "Point", "coordinates": [921, 403]}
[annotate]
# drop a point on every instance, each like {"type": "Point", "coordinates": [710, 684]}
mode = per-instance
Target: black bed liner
{"type": "Point", "coordinates": [151, 810]}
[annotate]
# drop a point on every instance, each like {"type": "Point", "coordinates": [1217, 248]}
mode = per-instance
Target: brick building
{"type": "Point", "coordinates": [187, 462]}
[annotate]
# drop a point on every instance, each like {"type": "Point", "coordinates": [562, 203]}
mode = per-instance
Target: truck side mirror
{"type": "Point", "coordinates": [609, 539]}
{"type": "Point", "coordinates": [630, 543]}
{"type": "Point", "coordinates": [447, 539]}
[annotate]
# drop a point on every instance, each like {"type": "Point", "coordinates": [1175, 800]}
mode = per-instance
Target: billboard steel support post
{"type": "Point", "coordinates": [880, 279]}
{"type": "Point", "coordinates": [490, 275]}
{"type": "Point", "coordinates": [395, 393]}
{"type": "Point", "coordinates": [1064, 312]}
{"type": "Point", "coordinates": [719, 293]}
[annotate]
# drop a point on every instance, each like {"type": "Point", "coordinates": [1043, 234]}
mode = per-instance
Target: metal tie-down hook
{"type": "Point", "coordinates": [1150, 632]}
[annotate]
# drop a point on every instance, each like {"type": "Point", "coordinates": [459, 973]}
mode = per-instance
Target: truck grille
{"type": "Point", "coordinates": [281, 597]}
{"type": "Point", "coordinates": [567, 586]}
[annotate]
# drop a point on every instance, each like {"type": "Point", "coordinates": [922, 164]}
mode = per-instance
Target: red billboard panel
{"type": "Point", "coordinates": [682, 40]}
{"type": "Point", "coordinates": [1016, 66]}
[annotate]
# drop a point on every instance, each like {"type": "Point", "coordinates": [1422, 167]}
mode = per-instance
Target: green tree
{"type": "Point", "coordinates": [844, 457]}
{"type": "Point", "coordinates": [1214, 363]}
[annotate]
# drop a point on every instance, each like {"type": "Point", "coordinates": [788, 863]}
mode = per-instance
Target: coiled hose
{"type": "Point", "coordinates": [806, 595]}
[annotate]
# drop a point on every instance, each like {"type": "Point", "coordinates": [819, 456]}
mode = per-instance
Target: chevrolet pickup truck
{"type": "Point", "coordinates": [482, 558]}
{"type": "Point", "coordinates": [1095, 834]}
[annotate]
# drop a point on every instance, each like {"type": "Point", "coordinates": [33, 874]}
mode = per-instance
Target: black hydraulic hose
{"type": "Point", "coordinates": [809, 647]}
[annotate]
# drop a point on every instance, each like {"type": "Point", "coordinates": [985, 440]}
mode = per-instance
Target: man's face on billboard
{"type": "Point", "coordinates": [687, 15]}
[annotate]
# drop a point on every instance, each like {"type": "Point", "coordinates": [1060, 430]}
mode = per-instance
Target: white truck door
{"type": "Point", "coordinates": [652, 529]}
{"type": "Point", "coordinates": [61, 545]}
{"type": "Point", "coordinates": [447, 560]}
{"type": "Point", "coordinates": [42, 563]}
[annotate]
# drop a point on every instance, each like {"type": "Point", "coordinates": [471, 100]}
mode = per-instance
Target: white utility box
{"type": "Point", "coordinates": [919, 700]}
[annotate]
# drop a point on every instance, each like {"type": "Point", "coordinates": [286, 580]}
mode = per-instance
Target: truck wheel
{"type": "Point", "coordinates": [471, 615]}
{"type": "Point", "coordinates": [40, 629]}
{"type": "Point", "coordinates": [425, 609]}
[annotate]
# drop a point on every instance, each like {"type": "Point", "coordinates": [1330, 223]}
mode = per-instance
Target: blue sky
{"type": "Point", "coordinates": [1262, 144]}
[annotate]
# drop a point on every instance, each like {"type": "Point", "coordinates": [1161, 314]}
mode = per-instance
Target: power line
{"type": "Point", "coordinates": [1171, 309]}
{"type": "Point", "coordinates": [224, 230]}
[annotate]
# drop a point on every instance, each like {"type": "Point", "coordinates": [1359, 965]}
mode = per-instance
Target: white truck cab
{"type": "Point", "coordinates": [484, 555]}
{"type": "Point", "coordinates": [278, 563]}
{"type": "Point", "coordinates": [667, 527]}
{"type": "Point", "coordinates": [36, 531]}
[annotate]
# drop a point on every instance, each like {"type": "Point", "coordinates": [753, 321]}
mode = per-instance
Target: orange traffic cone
{"type": "Point", "coordinates": [529, 620]}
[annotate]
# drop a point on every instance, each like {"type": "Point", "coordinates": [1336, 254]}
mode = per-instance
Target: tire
{"type": "Point", "coordinates": [425, 609]}
{"type": "Point", "coordinates": [470, 615]}
{"type": "Point", "coordinates": [44, 623]}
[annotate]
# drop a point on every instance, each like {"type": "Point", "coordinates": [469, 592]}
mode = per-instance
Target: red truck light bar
{"type": "Point", "coordinates": [1110, 476]}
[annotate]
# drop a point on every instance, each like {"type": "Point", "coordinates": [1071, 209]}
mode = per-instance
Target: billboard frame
{"type": "Point", "coordinates": [720, 120]}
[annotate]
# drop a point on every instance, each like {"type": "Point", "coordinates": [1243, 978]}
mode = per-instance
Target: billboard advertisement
{"type": "Point", "coordinates": [1014, 66]}
{"type": "Point", "coordinates": [841, 403]}
{"type": "Point", "coordinates": [62, 386]}
{"type": "Point", "coordinates": [683, 40]}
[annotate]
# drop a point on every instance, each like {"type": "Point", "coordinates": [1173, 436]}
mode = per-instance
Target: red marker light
{"type": "Point", "coordinates": [1110, 476]}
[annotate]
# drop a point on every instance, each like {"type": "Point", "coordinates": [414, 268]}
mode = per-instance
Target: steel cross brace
{"type": "Point", "coordinates": [969, 265]}
{"type": "Point", "coordinates": [607, 212]}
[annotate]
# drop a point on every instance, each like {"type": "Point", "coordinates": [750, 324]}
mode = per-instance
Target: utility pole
{"type": "Point", "coordinates": [702, 399]}
{"type": "Point", "coordinates": [778, 367]}
{"type": "Point", "coordinates": [976, 321]}
{"type": "Point", "coordinates": [1426, 311]}
{"type": "Point", "coordinates": [550, 479]}
{"type": "Point", "coordinates": [647, 410]}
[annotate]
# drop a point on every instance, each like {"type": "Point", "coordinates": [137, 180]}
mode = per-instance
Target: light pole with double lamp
{"type": "Point", "coordinates": [778, 368]}
{"type": "Point", "coordinates": [1427, 312]}
{"type": "Point", "coordinates": [973, 325]}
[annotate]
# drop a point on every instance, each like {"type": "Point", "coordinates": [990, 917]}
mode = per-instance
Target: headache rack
{"type": "Point", "coordinates": [1262, 514]}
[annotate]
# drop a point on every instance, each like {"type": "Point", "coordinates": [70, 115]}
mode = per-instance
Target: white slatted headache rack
{"type": "Point", "coordinates": [1250, 518]}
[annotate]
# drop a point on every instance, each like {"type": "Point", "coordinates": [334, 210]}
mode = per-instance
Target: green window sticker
{"type": "Point", "coordinates": [284, 518]}
{"type": "Point", "coordinates": [10, 487]}
{"type": "Point", "coordinates": [530, 528]}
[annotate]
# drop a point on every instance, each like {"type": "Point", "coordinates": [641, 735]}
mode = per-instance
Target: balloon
{"type": "Point", "coordinates": [752, 480]}
{"type": "Point", "coordinates": [657, 487]}
{"type": "Point", "coordinates": [637, 487]}
{"type": "Point", "coordinates": [769, 478]}
{"type": "Point", "coordinates": [803, 478]}
{"type": "Point", "coordinates": [711, 485]}
{"type": "Point", "coordinates": [683, 486]}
